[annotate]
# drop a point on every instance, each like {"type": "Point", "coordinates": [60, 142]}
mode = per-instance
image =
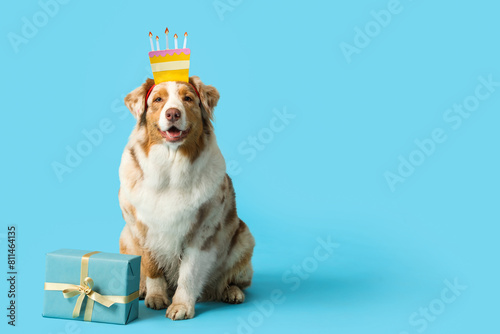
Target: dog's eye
{"type": "Point", "coordinates": [187, 99]}
{"type": "Point", "coordinates": [158, 99]}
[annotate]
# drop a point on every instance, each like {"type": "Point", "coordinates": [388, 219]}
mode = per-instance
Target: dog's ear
{"type": "Point", "coordinates": [209, 96]}
{"type": "Point", "coordinates": [136, 99]}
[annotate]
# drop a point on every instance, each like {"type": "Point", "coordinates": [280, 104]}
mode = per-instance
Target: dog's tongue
{"type": "Point", "coordinates": [174, 132]}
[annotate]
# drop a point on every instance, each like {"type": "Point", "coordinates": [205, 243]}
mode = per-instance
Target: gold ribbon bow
{"type": "Point", "coordinates": [82, 291]}
{"type": "Point", "coordinates": [85, 290]}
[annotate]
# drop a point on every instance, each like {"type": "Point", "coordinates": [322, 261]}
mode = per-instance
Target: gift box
{"type": "Point", "coordinates": [92, 286]}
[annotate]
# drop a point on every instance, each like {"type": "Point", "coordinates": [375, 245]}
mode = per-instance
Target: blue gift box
{"type": "Point", "coordinates": [92, 286]}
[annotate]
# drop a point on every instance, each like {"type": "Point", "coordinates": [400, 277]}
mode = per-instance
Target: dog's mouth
{"type": "Point", "coordinates": [173, 134]}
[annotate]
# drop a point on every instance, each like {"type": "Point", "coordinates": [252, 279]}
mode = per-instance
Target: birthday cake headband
{"type": "Point", "coordinates": [169, 64]}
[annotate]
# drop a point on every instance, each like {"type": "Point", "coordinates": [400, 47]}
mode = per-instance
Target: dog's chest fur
{"type": "Point", "coordinates": [168, 198]}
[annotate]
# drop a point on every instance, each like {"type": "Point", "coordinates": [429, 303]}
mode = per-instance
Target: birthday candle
{"type": "Point", "coordinates": [185, 39]}
{"type": "Point", "coordinates": [151, 40]}
{"type": "Point", "coordinates": [166, 37]}
{"type": "Point", "coordinates": [157, 44]}
{"type": "Point", "coordinates": [175, 41]}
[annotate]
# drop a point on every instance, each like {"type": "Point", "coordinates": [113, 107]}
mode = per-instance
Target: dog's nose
{"type": "Point", "coordinates": [173, 114]}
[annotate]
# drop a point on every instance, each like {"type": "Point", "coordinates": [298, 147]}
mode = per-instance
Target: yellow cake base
{"type": "Point", "coordinates": [176, 75]}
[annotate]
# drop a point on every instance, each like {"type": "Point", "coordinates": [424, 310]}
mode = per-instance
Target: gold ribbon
{"type": "Point", "coordinates": [85, 290]}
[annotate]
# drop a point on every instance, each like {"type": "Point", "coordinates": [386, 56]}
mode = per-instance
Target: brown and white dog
{"type": "Point", "coordinates": [179, 203]}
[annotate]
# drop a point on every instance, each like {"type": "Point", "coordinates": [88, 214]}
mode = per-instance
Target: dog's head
{"type": "Point", "coordinates": [175, 114]}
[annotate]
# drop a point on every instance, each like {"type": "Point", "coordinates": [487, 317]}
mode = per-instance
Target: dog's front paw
{"type": "Point", "coordinates": [156, 301]}
{"type": "Point", "coordinates": [233, 295]}
{"type": "Point", "coordinates": [180, 311]}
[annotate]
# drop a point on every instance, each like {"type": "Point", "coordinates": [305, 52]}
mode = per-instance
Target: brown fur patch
{"type": "Point", "coordinates": [230, 184]}
{"type": "Point", "coordinates": [129, 209]}
{"type": "Point", "coordinates": [135, 100]}
{"type": "Point", "coordinates": [195, 141]}
{"type": "Point", "coordinates": [149, 266]}
{"type": "Point", "coordinates": [241, 227]}
{"type": "Point", "coordinates": [137, 167]}
{"type": "Point", "coordinates": [209, 97]}
{"type": "Point", "coordinates": [230, 215]}
{"type": "Point", "coordinates": [151, 117]}
{"type": "Point", "coordinates": [123, 248]}
{"type": "Point", "coordinates": [208, 243]}
{"type": "Point", "coordinates": [243, 264]}
{"type": "Point", "coordinates": [143, 231]}
{"type": "Point", "coordinates": [223, 190]}
{"type": "Point", "coordinates": [200, 217]}
{"type": "Point", "coordinates": [230, 188]}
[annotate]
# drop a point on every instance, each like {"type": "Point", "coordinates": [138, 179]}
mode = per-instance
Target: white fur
{"type": "Point", "coordinates": [173, 101]}
{"type": "Point", "coordinates": [156, 286]}
{"type": "Point", "coordinates": [193, 273]}
{"type": "Point", "coordinates": [167, 210]}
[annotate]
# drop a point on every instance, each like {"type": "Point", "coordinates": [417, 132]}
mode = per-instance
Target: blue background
{"type": "Point", "coordinates": [321, 176]}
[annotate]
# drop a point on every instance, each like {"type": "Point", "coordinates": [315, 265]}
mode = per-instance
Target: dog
{"type": "Point", "coordinates": [178, 202]}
